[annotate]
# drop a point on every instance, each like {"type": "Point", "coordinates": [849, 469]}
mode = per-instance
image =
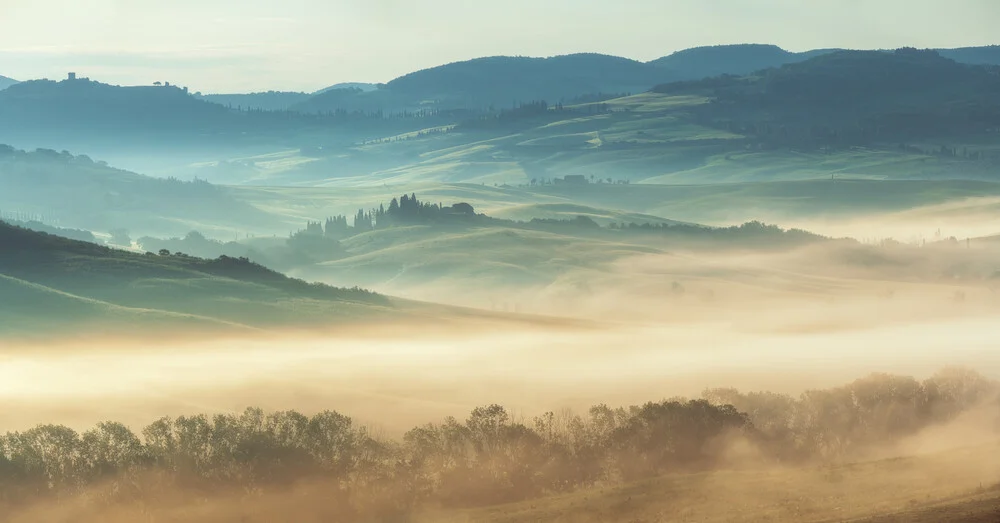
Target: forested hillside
{"type": "Point", "coordinates": [854, 98]}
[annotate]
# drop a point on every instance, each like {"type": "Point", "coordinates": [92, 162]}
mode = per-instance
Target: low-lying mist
{"type": "Point", "coordinates": [960, 218]}
{"type": "Point", "coordinates": [666, 323]}
{"type": "Point", "coordinates": [814, 285]}
{"type": "Point", "coordinates": [414, 371]}
{"type": "Point", "coordinates": [715, 322]}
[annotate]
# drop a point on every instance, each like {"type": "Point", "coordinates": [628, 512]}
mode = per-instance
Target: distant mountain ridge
{"type": "Point", "coordinates": [80, 113]}
{"type": "Point", "coordinates": [364, 86]}
{"type": "Point", "coordinates": [81, 101]}
{"type": "Point", "coordinates": [848, 98]}
{"type": "Point", "coordinates": [703, 62]}
{"type": "Point", "coordinates": [739, 59]}
{"type": "Point", "coordinates": [498, 81]}
{"type": "Point", "coordinates": [6, 82]}
{"type": "Point", "coordinates": [987, 55]}
{"type": "Point", "coordinates": [505, 80]}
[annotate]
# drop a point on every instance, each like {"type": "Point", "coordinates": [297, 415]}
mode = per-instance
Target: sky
{"type": "Point", "coordinates": [303, 45]}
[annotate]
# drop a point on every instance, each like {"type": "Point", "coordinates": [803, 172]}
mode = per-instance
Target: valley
{"type": "Point", "coordinates": [736, 283]}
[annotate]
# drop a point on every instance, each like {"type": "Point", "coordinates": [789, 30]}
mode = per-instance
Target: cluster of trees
{"type": "Point", "coordinates": [196, 244]}
{"type": "Point", "coordinates": [490, 457]}
{"type": "Point", "coordinates": [855, 418]}
{"type": "Point", "coordinates": [408, 210]}
{"type": "Point", "coordinates": [313, 244]}
{"type": "Point", "coordinates": [10, 153]}
{"type": "Point", "coordinates": [405, 210]}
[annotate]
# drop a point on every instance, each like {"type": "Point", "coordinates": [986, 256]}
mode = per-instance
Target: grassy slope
{"type": "Point", "coordinates": [93, 288]}
{"type": "Point", "coordinates": [569, 211]}
{"type": "Point", "coordinates": [37, 305]}
{"type": "Point", "coordinates": [87, 282]}
{"type": "Point", "coordinates": [490, 257]}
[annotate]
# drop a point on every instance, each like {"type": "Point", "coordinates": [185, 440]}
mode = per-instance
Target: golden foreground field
{"type": "Point", "coordinates": [952, 486]}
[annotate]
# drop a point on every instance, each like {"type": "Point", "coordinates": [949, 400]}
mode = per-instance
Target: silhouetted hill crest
{"type": "Point", "coordinates": [91, 103]}
{"type": "Point", "coordinates": [853, 98]}
{"type": "Point", "coordinates": [6, 82]}
{"type": "Point", "coordinates": [499, 81]}
{"type": "Point", "coordinates": [33, 255]}
{"type": "Point", "coordinates": [853, 78]}
{"type": "Point", "coordinates": [738, 59]}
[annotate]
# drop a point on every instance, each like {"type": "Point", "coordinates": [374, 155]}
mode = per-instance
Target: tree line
{"type": "Point", "coordinates": [405, 210]}
{"type": "Point", "coordinates": [490, 457]}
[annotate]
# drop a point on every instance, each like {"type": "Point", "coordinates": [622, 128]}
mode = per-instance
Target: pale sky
{"type": "Point", "coordinates": [250, 45]}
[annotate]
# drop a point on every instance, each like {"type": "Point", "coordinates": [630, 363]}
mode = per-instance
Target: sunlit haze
{"type": "Point", "coordinates": [444, 261]}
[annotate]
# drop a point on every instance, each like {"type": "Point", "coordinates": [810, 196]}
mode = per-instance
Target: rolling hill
{"type": "Point", "coordinates": [872, 114]}
{"type": "Point", "coordinates": [45, 277]}
{"type": "Point", "coordinates": [986, 55]}
{"type": "Point", "coordinates": [349, 85]}
{"type": "Point", "coordinates": [858, 114]}
{"type": "Point", "coordinates": [739, 59]}
{"type": "Point", "coordinates": [498, 81]}
{"type": "Point", "coordinates": [742, 59]}
{"type": "Point", "coordinates": [90, 194]}
{"type": "Point", "coordinates": [85, 103]}
{"type": "Point", "coordinates": [275, 100]}
{"type": "Point", "coordinates": [475, 84]}
{"type": "Point", "coordinates": [501, 81]}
